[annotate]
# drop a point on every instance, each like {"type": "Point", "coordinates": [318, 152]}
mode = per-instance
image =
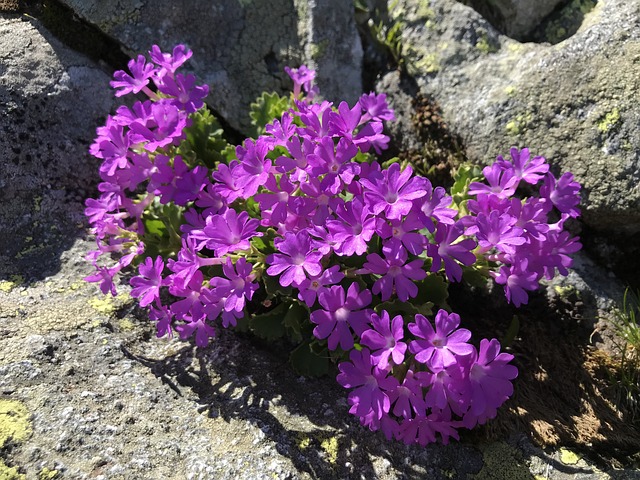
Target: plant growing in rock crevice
{"type": "Point", "coordinates": [300, 233]}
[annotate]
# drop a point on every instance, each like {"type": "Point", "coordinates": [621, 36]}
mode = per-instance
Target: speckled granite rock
{"type": "Point", "coordinates": [51, 101]}
{"type": "Point", "coordinates": [241, 47]}
{"type": "Point", "coordinates": [575, 102]}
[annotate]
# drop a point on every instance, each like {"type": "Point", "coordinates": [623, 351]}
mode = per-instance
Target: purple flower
{"type": "Point", "coordinates": [170, 62]}
{"type": "Point", "coordinates": [311, 287]}
{"type": "Point", "coordinates": [163, 318]}
{"type": "Point", "coordinates": [392, 191]}
{"type": "Point", "coordinates": [341, 315]}
{"type": "Point", "coordinates": [564, 193]}
{"type": "Point", "coordinates": [502, 183]}
{"type": "Point", "coordinates": [295, 260]}
{"type": "Point", "coordinates": [146, 286]}
{"type": "Point", "coordinates": [370, 383]}
{"type": "Point", "coordinates": [375, 107]}
{"type": "Point", "coordinates": [238, 286]}
{"type": "Point", "coordinates": [499, 231]}
{"type": "Point", "coordinates": [441, 346]}
{"type": "Point", "coordinates": [354, 228]}
{"type": "Point", "coordinates": [434, 205]}
{"type": "Point", "coordinates": [334, 163]}
{"type": "Point", "coordinates": [105, 276]}
{"type": "Point", "coordinates": [385, 339]}
{"type": "Point", "coordinates": [444, 250]}
{"type": "Point", "coordinates": [489, 378]}
{"type": "Point", "coordinates": [516, 279]}
{"type": "Point", "coordinates": [253, 170]}
{"type": "Point", "coordinates": [404, 232]}
{"type": "Point", "coordinates": [228, 232]}
{"type": "Point", "coordinates": [166, 127]}
{"type": "Point", "coordinates": [302, 78]}
{"type": "Point", "coordinates": [397, 274]}
{"type": "Point", "coordinates": [187, 95]}
{"type": "Point", "coordinates": [343, 123]}
{"type": "Point", "coordinates": [407, 399]}
{"type": "Point", "coordinates": [202, 329]}
{"type": "Point", "coordinates": [531, 170]}
{"type": "Point", "coordinates": [141, 73]}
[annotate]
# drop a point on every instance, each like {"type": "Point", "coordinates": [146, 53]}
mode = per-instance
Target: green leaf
{"type": "Point", "coordinates": [273, 287]}
{"type": "Point", "coordinates": [204, 141]}
{"type": "Point", "coordinates": [155, 227]}
{"type": "Point", "coordinates": [473, 277]}
{"type": "Point", "coordinates": [397, 307]}
{"type": "Point", "coordinates": [294, 319]}
{"type": "Point", "coordinates": [434, 289]}
{"type": "Point", "coordinates": [269, 325]}
{"type": "Point", "coordinates": [308, 363]}
{"type": "Point", "coordinates": [266, 108]}
{"type": "Point", "coordinates": [512, 331]}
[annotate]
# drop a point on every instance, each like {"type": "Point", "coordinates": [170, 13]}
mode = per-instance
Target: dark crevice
{"type": "Point", "coordinates": [563, 22]}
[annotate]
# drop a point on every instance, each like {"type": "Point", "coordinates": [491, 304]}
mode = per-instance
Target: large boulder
{"type": "Point", "coordinates": [241, 47]}
{"type": "Point", "coordinates": [574, 103]}
{"type": "Point", "coordinates": [51, 99]}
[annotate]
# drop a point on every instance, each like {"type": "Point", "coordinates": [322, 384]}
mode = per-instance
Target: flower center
{"type": "Point", "coordinates": [342, 314]}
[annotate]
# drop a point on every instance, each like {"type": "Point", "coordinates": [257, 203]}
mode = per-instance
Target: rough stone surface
{"type": "Point", "coordinates": [51, 101]}
{"type": "Point", "coordinates": [241, 47]}
{"type": "Point", "coordinates": [574, 103]}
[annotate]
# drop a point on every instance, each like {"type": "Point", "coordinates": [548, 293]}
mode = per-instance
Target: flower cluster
{"type": "Point", "coordinates": [303, 219]}
{"type": "Point", "coordinates": [518, 234]}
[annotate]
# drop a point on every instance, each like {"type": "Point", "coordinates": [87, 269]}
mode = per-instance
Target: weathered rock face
{"type": "Point", "coordinates": [51, 101]}
{"type": "Point", "coordinates": [241, 47]}
{"type": "Point", "coordinates": [574, 103]}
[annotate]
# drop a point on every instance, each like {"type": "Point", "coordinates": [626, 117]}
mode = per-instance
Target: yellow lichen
{"type": "Point", "coordinates": [48, 474]}
{"type": "Point", "coordinates": [9, 473]}
{"type": "Point", "coordinates": [609, 120]}
{"type": "Point", "coordinates": [14, 422]}
{"type": "Point", "coordinates": [568, 457]}
{"type": "Point", "coordinates": [303, 442]}
{"type": "Point", "coordinates": [6, 286]}
{"type": "Point", "coordinates": [126, 325]}
{"type": "Point", "coordinates": [330, 447]}
{"type": "Point", "coordinates": [510, 90]}
{"type": "Point", "coordinates": [103, 305]}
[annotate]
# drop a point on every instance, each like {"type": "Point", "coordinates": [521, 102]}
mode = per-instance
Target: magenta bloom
{"type": "Point", "coordinates": [499, 231]}
{"type": "Point", "coordinates": [164, 128]}
{"type": "Point", "coordinates": [170, 62]}
{"type": "Point", "coordinates": [370, 383]}
{"type": "Point", "coordinates": [441, 346]}
{"type": "Point", "coordinates": [516, 280]}
{"type": "Point", "coordinates": [531, 170]}
{"type": "Point", "coordinates": [228, 232]}
{"type": "Point", "coordinates": [354, 228]}
{"type": "Point", "coordinates": [238, 286]}
{"type": "Point", "coordinates": [200, 327]}
{"type": "Point", "coordinates": [397, 274]}
{"type": "Point", "coordinates": [385, 339]}
{"type": "Point", "coordinates": [375, 107]}
{"type": "Point", "coordinates": [141, 72]}
{"type": "Point", "coordinates": [564, 193]}
{"type": "Point", "coordinates": [407, 399]}
{"type": "Point", "coordinates": [341, 315]}
{"type": "Point", "coordinates": [146, 286]}
{"type": "Point", "coordinates": [311, 287]}
{"type": "Point", "coordinates": [186, 94]}
{"type": "Point", "coordinates": [447, 252]}
{"type": "Point", "coordinates": [392, 191]}
{"type": "Point", "coordinates": [295, 260]}
{"type": "Point", "coordinates": [302, 79]}
{"type": "Point", "coordinates": [490, 379]}
{"type": "Point", "coordinates": [502, 183]}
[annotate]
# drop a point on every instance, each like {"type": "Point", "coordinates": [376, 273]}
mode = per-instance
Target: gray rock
{"type": "Point", "coordinates": [574, 103]}
{"type": "Point", "coordinates": [51, 101]}
{"type": "Point", "coordinates": [241, 47]}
